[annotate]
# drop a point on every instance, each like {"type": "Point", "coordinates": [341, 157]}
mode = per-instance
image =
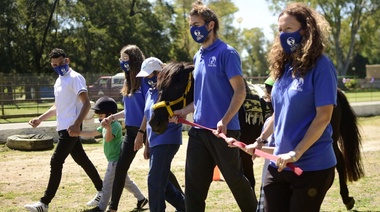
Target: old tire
{"type": "Point", "coordinates": [30, 142]}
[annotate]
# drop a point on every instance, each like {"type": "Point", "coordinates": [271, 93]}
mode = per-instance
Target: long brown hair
{"type": "Point", "coordinates": [315, 34]}
{"type": "Point", "coordinates": [136, 57]}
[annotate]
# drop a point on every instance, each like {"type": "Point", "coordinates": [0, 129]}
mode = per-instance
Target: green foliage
{"type": "Point", "coordinates": [93, 32]}
{"type": "Point", "coordinates": [254, 64]}
{"type": "Point", "coordinates": [352, 24]}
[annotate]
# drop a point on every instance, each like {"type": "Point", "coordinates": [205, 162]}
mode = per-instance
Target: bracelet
{"type": "Point", "coordinates": [141, 131]}
{"type": "Point", "coordinates": [260, 140]}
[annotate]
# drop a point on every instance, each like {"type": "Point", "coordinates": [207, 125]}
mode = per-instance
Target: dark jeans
{"type": "Point", "coordinates": [285, 191]}
{"type": "Point", "coordinates": [159, 186]}
{"type": "Point", "coordinates": [204, 151]}
{"type": "Point", "coordinates": [127, 154]}
{"type": "Point", "coordinates": [68, 145]}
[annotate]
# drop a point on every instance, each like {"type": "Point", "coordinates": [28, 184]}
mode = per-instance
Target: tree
{"type": "Point", "coordinates": [369, 44]}
{"type": "Point", "coordinates": [254, 63]}
{"type": "Point", "coordinates": [345, 18]}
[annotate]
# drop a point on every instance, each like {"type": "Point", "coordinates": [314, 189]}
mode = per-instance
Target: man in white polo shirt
{"type": "Point", "coordinates": [70, 108]}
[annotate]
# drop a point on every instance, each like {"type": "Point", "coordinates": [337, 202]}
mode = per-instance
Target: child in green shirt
{"type": "Point", "coordinates": [112, 140]}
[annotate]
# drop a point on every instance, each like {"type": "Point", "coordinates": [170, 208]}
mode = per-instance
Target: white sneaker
{"type": "Point", "coordinates": [95, 201]}
{"type": "Point", "coordinates": [37, 207]}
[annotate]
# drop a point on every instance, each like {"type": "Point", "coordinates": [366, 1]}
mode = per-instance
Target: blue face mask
{"type": "Point", "coordinates": [152, 81]}
{"type": "Point", "coordinates": [290, 41]}
{"type": "Point", "coordinates": [124, 65]}
{"type": "Point", "coordinates": [199, 34]}
{"type": "Point", "coordinates": [62, 69]}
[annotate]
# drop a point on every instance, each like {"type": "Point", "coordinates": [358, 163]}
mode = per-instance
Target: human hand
{"type": "Point", "coordinates": [107, 127]}
{"type": "Point", "coordinates": [138, 142]}
{"type": "Point", "coordinates": [34, 122]}
{"type": "Point", "coordinates": [284, 159]}
{"type": "Point", "coordinates": [173, 119]}
{"type": "Point", "coordinates": [230, 141]}
{"type": "Point", "coordinates": [220, 128]}
{"type": "Point", "coordinates": [250, 149]}
{"type": "Point", "coordinates": [180, 114]}
{"type": "Point", "coordinates": [74, 130]}
{"type": "Point", "coordinates": [106, 121]}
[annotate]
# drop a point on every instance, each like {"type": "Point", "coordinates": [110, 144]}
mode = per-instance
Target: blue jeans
{"type": "Point", "coordinates": [68, 145]}
{"type": "Point", "coordinates": [159, 186]}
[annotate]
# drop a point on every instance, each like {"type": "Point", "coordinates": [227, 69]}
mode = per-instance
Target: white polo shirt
{"type": "Point", "coordinates": [66, 91]}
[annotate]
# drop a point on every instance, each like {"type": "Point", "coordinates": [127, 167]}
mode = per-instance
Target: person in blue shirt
{"type": "Point", "coordinates": [270, 145]}
{"type": "Point", "coordinates": [303, 97]}
{"type": "Point", "coordinates": [134, 90]}
{"type": "Point", "coordinates": [161, 148]}
{"type": "Point", "coordinates": [219, 91]}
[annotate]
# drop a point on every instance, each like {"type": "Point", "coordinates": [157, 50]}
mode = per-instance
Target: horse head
{"type": "Point", "coordinates": [176, 90]}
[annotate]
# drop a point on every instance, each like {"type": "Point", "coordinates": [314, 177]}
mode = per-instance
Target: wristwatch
{"type": "Point", "coordinates": [260, 140]}
{"type": "Point", "coordinates": [292, 155]}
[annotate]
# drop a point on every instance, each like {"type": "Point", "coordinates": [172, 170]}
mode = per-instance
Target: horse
{"type": "Point", "coordinates": [176, 91]}
{"type": "Point", "coordinates": [347, 145]}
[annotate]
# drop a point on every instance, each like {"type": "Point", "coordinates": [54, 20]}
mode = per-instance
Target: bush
{"type": "Point", "coordinates": [350, 84]}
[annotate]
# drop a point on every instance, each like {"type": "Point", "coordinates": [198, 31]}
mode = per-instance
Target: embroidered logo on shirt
{"type": "Point", "coordinates": [297, 84]}
{"type": "Point", "coordinates": [212, 62]}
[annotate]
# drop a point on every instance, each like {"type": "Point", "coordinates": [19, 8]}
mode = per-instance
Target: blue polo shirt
{"type": "Point", "coordinates": [295, 100]}
{"type": "Point", "coordinates": [134, 106]}
{"type": "Point", "coordinates": [213, 68]}
{"type": "Point", "coordinates": [173, 133]}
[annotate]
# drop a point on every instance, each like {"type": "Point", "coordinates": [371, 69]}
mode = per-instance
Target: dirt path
{"type": "Point", "coordinates": [24, 176]}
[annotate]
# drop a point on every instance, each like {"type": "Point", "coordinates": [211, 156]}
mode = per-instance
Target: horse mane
{"type": "Point", "coordinates": [169, 73]}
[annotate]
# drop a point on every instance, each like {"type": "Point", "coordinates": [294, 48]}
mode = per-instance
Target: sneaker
{"type": "Point", "coordinates": [37, 207]}
{"type": "Point", "coordinates": [96, 209]}
{"type": "Point", "coordinates": [141, 203]}
{"type": "Point", "coordinates": [95, 201]}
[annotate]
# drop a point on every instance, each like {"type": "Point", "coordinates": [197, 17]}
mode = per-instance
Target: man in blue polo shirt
{"type": "Point", "coordinates": [219, 92]}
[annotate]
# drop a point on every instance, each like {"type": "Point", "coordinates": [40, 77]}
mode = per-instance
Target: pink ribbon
{"type": "Point", "coordinates": [242, 146]}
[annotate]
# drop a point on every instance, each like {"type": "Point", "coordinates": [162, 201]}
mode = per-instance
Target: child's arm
{"type": "Point", "coordinates": [89, 133]}
{"type": "Point", "coordinates": [108, 135]}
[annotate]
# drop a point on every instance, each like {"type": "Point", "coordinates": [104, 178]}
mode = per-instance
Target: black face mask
{"type": "Point", "coordinates": [100, 120]}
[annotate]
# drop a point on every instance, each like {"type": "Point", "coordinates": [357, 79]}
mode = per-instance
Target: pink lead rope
{"type": "Point", "coordinates": [242, 146]}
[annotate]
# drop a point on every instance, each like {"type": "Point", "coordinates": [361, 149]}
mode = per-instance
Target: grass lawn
{"type": "Point", "coordinates": [363, 96]}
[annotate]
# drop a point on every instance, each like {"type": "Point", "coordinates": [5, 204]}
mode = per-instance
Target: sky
{"type": "Point", "coordinates": [255, 13]}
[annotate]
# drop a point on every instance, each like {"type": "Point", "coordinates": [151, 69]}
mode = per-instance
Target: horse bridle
{"type": "Point", "coordinates": [168, 104]}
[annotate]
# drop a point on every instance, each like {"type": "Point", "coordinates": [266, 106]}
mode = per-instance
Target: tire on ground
{"type": "Point", "coordinates": [30, 142]}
